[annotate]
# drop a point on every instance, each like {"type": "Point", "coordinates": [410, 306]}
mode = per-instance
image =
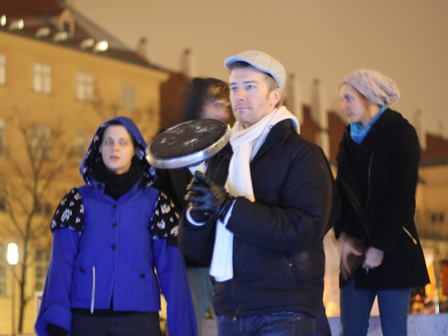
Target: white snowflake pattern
{"type": "Point", "coordinates": [53, 224]}
{"type": "Point", "coordinates": [66, 215]}
{"type": "Point", "coordinates": [72, 204]}
{"type": "Point", "coordinates": [77, 220]}
{"type": "Point", "coordinates": [77, 197]}
{"type": "Point", "coordinates": [161, 224]}
{"type": "Point", "coordinates": [175, 230]}
{"type": "Point", "coordinates": [81, 208]}
{"type": "Point", "coordinates": [165, 208]}
{"type": "Point", "coordinates": [156, 212]}
{"type": "Point", "coordinates": [63, 201]}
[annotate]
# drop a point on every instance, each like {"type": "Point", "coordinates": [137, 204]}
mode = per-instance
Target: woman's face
{"type": "Point", "coordinates": [353, 105]}
{"type": "Point", "coordinates": [117, 149]}
{"type": "Point", "coordinates": [218, 109]}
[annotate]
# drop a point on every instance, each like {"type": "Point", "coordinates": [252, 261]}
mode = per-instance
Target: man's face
{"type": "Point", "coordinates": [250, 96]}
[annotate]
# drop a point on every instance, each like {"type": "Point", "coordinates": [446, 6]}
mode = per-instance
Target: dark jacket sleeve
{"type": "Point", "coordinates": [197, 242]}
{"type": "Point", "coordinates": [305, 207]}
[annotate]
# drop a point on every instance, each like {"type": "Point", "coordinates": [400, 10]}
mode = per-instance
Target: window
{"type": "Point", "coordinates": [44, 207]}
{"type": "Point", "coordinates": [82, 144]}
{"type": "Point", "coordinates": [437, 217]}
{"type": "Point", "coordinates": [2, 137]}
{"type": "Point", "coordinates": [3, 268]}
{"type": "Point", "coordinates": [2, 69]}
{"type": "Point", "coordinates": [84, 87]}
{"type": "Point", "coordinates": [41, 264]}
{"type": "Point", "coordinates": [2, 202]}
{"type": "Point", "coordinates": [67, 27]}
{"type": "Point", "coordinates": [127, 97]}
{"type": "Point", "coordinates": [41, 143]}
{"type": "Point", "coordinates": [42, 78]}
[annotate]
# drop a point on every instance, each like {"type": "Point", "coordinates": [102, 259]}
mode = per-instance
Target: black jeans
{"type": "Point", "coordinates": [132, 324]}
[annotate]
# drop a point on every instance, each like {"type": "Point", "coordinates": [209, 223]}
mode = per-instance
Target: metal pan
{"type": "Point", "coordinates": [187, 144]}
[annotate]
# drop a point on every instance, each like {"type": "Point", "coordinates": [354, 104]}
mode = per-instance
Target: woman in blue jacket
{"type": "Point", "coordinates": [109, 237]}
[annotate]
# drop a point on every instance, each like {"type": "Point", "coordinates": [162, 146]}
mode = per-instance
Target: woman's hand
{"type": "Point", "coordinates": [374, 258]}
{"type": "Point", "coordinates": [350, 256]}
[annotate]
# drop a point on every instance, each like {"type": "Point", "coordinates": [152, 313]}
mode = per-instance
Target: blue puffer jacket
{"type": "Point", "coordinates": [106, 251]}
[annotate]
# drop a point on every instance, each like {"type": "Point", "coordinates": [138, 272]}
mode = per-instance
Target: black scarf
{"type": "Point", "coordinates": [117, 185]}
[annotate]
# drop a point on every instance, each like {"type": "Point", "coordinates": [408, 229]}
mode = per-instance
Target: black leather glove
{"type": "Point", "coordinates": [207, 198]}
{"type": "Point", "coordinates": [55, 330]}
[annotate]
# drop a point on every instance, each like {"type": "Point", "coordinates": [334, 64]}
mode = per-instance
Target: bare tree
{"type": "Point", "coordinates": [35, 161]}
{"type": "Point", "coordinates": [146, 118]}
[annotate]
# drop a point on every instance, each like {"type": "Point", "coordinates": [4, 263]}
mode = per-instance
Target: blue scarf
{"type": "Point", "coordinates": [358, 133]}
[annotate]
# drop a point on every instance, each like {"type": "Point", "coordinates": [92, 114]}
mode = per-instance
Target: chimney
{"type": "Point", "coordinates": [419, 124]}
{"type": "Point", "coordinates": [188, 64]}
{"type": "Point", "coordinates": [293, 97]}
{"type": "Point", "coordinates": [141, 47]}
{"type": "Point", "coordinates": [320, 116]}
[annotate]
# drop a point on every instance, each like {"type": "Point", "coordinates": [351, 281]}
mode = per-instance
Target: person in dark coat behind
{"type": "Point", "coordinates": [208, 99]}
{"type": "Point", "coordinates": [378, 162]}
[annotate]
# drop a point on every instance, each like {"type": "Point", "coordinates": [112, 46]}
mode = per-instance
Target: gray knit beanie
{"type": "Point", "coordinates": [377, 88]}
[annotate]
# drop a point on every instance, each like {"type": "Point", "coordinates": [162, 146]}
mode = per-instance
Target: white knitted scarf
{"type": "Point", "coordinates": [245, 145]}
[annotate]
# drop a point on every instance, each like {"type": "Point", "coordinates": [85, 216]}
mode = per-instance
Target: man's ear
{"type": "Point", "coordinates": [276, 96]}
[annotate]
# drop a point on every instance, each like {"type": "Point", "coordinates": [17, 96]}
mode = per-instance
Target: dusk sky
{"type": "Point", "coordinates": [406, 40]}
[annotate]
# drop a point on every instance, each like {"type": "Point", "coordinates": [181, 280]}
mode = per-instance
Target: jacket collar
{"type": "Point", "coordinates": [277, 132]}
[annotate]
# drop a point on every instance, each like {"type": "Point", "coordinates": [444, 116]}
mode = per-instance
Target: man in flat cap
{"type": "Point", "coordinates": [259, 212]}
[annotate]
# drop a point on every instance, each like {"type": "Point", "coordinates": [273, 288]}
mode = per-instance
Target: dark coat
{"type": "Point", "coordinates": [278, 256]}
{"type": "Point", "coordinates": [174, 182]}
{"type": "Point", "coordinates": [382, 174]}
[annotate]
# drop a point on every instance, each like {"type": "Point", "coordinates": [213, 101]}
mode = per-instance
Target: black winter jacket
{"type": "Point", "coordinates": [382, 174]}
{"type": "Point", "coordinates": [278, 256]}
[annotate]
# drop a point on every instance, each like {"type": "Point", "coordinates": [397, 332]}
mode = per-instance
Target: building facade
{"type": "Point", "coordinates": [60, 77]}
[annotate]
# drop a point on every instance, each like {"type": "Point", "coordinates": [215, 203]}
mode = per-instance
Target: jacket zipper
{"type": "Point", "coordinates": [92, 302]}
{"type": "Point", "coordinates": [409, 234]}
{"type": "Point", "coordinates": [368, 179]}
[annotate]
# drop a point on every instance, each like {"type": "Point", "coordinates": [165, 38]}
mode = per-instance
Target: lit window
{"type": "Point", "coordinates": [42, 78]}
{"type": "Point", "coordinates": [127, 97]}
{"type": "Point", "coordinates": [2, 69]}
{"type": "Point", "coordinates": [2, 137]}
{"type": "Point", "coordinates": [41, 266]}
{"type": "Point", "coordinates": [84, 87]}
{"type": "Point", "coordinates": [41, 143]}
{"type": "Point", "coordinates": [82, 145]}
{"type": "Point", "coordinates": [3, 267]}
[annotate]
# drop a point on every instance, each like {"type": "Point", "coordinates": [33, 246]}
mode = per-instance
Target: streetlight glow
{"type": "Point", "coordinates": [13, 254]}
